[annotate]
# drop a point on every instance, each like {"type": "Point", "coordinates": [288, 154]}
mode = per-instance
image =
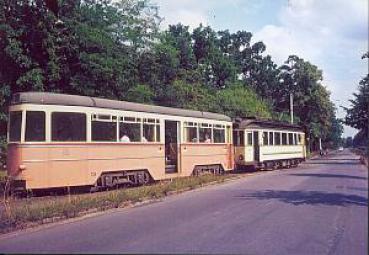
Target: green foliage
{"type": "Point", "coordinates": [140, 93]}
{"type": "Point", "coordinates": [334, 138]}
{"type": "Point", "coordinates": [243, 102]}
{"type": "Point", "coordinates": [114, 49]}
{"type": "Point", "coordinates": [358, 114]}
{"type": "Point", "coordinates": [312, 104]}
{"type": "Point", "coordinates": [193, 96]}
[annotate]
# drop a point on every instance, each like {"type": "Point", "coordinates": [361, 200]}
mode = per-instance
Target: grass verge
{"type": "Point", "coordinates": [3, 177]}
{"type": "Point", "coordinates": [23, 213]}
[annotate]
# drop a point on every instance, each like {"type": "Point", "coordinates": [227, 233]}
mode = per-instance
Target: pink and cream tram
{"type": "Point", "coordinates": [57, 140]}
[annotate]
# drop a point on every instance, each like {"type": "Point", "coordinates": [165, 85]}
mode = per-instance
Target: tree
{"type": "Point", "coordinates": [357, 116]}
{"type": "Point", "coordinates": [237, 100]}
{"type": "Point", "coordinates": [140, 93]}
{"type": "Point", "coordinates": [204, 42]}
{"type": "Point", "coordinates": [348, 142]}
{"type": "Point", "coordinates": [314, 109]}
{"type": "Point", "coordinates": [81, 47]}
{"type": "Point", "coordinates": [334, 137]}
{"type": "Point", "coordinates": [113, 49]}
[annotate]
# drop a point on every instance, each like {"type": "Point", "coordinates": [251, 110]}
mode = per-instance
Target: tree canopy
{"type": "Point", "coordinates": [115, 50]}
{"type": "Point", "coordinates": [357, 116]}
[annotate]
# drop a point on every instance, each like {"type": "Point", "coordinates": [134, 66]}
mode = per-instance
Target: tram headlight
{"type": "Point", "coordinates": [240, 157]}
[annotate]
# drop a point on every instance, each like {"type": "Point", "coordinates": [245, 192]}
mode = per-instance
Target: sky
{"type": "Point", "coordinates": [331, 34]}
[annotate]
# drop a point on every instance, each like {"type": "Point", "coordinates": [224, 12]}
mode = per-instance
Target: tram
{"type": "Point", "coordinates": [58, 140]}
{"type": "Point", "coordinates": [267, 144]}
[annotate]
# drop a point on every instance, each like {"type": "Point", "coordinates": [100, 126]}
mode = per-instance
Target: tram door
{"type": "Point", "coordinates": [171, 146]}
{"type": "Point", "coordinates": [256, 146]}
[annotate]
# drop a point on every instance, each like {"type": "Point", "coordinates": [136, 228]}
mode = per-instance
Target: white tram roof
{"type": "Point", "coordinates": [250, 123]}
{"type": "Point", "coordinates": [74, 100]}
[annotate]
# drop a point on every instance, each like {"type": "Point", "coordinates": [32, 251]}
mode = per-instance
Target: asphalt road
{"type": "Point", "coordinates": [320, 207]}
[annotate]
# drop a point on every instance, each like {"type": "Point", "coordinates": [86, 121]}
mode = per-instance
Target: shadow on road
{"type": "Point", "coordinates": [332, 176]}
{"type": "Point", "coordinates": [308, 197]}
{"type": "Point", "coordinates": [336, 159]}
{"type": "Point", "coordinates": [323, 162]}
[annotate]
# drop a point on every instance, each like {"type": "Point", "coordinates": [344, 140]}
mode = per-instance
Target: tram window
{"type": "Point", "coordinates": [103, 131]}
{"type": "Point", "coordinates": [219, 135]}
{"type": "Point", "coordinates": [148, 133]}
{"type": "Point", "coordinates": [157, 133]}
{"type": "Point", "coordinates": [271, 138]}
{"type": "Point", "coordinates": [132, 131]}
{"type": "Point", "coordinates": [68, 126]}
{"type": "Point", "coordinates": [284, 138]}
{"type": "Point", "coordinates": [205, 135]}
{"type": "Point", "coordinates": [249, 138]}
{"type": "Point", "coordinates": [35, 126]}
{"type": "Point", "coordinates": [277, 138]}
{"type": "Point", "coordinates": [190, 134]}
{"type": "Point", "coordinates": [130, 119]}
{"type": "Point", "coordinates": [290, 138]}
{"type": "Point", "coordinates": [265, 138]}
{"type": "Point", "coordinates": [295, 139]}
{"type": "Point", "coordinates": [241, 138]}
{"type": "Point", "coordinates": [235, 138]}
{"type": "Point", "coordinates": [299, 138]}
{"type": "Point", "coordinates": [15, 126]}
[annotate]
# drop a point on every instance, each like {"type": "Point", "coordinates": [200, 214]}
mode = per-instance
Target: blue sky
{"type": "Point", "coordinates": [332, 34]}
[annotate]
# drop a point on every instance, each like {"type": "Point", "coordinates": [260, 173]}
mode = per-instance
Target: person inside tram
{"type": "Point", "coordinates": [125, 138]}
{"type": "Point", "coordinates": [144, 140]}
{"type": "Point", "coordinates": [207, 138]}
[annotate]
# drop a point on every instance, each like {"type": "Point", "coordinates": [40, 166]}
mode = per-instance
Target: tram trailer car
{"type": "Point", "coordinates": [57, 140]}
{"type": "Point", "coordinates": [267, 144]}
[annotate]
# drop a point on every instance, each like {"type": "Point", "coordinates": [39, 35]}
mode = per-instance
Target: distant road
{"type": "Point", "coordinates": [320, 207]}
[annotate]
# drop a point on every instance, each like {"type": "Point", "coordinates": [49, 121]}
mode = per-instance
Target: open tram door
{"type": "Point", "coordinates": [256, 146]}
{"type": "Point", "coordinates": [171, 146]}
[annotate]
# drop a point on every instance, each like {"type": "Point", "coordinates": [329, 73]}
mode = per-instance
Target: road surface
{"type": "Point", "coordinates": [320, 207]}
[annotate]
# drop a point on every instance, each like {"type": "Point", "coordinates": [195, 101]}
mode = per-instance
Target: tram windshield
{"type": "Point", "coordinates": [15, 126]}
{"type": "Point", "coordinates": [35, 126]}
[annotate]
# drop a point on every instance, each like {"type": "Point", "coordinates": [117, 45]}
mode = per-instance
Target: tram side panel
{"type": "Point", "coordinates": [281, 152]}
{"type": "Point", "coordinates": [72, 165]}
{"type": "Point", "coordinates": [205, 154]}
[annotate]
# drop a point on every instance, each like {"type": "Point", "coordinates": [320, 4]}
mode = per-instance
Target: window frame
{"type": "Point", "coordinates": [24, 120]}
{"type": "Point", "coordinates": [190, 124]}
{"type": "Point", "coordinates": [271, 138]}
{"type": "Point", "coordinates": [151, 122]}
{"type": "Point", "coordinates": [286, 138]}
{"type": "Point", "coordinates": [277, 134]}
{"type": "Point", "coordinates": [265, 135]}
{"type": "Point", "coordinates": [129, 120]}
{"type": "Point", "coordinates": [208, 126]}
{"type": "Point", "coordinates": [21, 127]}
{"type": "Point", "coordinates": [219, 127]}
{"type": "Point", "coordinates": [290, 138]}
{"type": "Point", "coordinates": [72, 141]}
{"type": "Point", "coordinates": [248, 140]}
{"type": "Point", "coordinates": [102, 117]}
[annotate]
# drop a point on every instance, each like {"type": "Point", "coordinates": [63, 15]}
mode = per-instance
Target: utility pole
{"type": "Point", "coordinates": [291, 107]}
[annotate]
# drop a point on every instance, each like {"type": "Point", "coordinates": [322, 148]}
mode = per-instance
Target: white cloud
{"type": "Point", "coordinates": [330, 34]}
{"type": "Point", "coordinates": [194, 12]}
{"type": "Point", "coordinates": [187, 12]}
{"type": "Point", "coordinates": [311, 27]}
